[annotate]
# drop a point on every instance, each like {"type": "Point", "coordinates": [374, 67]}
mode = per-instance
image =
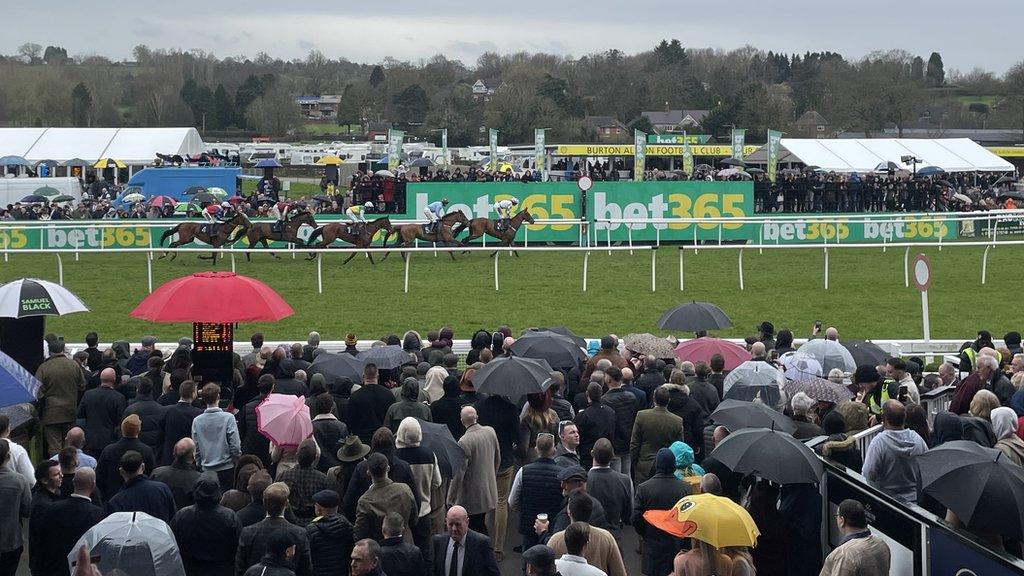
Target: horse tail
{"type": "Point", "coordinates": [316, 234]}
{"type": "Point", "coordinates": [168, 233]}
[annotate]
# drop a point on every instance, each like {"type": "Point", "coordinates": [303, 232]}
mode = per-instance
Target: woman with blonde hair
{"type": "Point", "coordinates": [538, 417]}
{"type": "Point", "coordinates": [701, 560]}
{"type": "Point", "coordinates": [978, 424]}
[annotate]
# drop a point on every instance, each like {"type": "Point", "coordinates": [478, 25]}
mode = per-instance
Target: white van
{"type": "Point", "coordinates": [14, 189]}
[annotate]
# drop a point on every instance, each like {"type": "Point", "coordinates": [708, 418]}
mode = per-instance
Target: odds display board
{"type": "Point", "coordinates": [210, 337]}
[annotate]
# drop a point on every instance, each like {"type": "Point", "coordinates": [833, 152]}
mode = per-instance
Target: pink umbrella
{"type": "Point", "coordinates": [284, 419]}
{"type": "Point", "coordinates": [702, 349]}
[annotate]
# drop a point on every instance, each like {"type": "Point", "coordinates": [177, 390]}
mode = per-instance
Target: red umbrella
{"type": "Point", "coordinates": [702, 349]}
{"type": "Point", "coordinates": [215, 297]}
{"type": "Point", "coordinates": [161, 201]}
{"type": "Point", "coordinates": [284, 420]}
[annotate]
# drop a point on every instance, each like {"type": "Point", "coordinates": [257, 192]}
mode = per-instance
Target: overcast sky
{"type": "Point", "coordinates": [967, 34]}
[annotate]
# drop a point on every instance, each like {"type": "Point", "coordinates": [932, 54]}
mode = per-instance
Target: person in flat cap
{"type": "Point", "coordinates": [573, 479]}
{"type": "Point", "coordinates": [540, 561]}
{"type": "Point", "coordinates": [766, 335]}
{"type": "Point", "coordinates": [277, 559]}
{"type": "Point", "coordinates": [207, 533]}
{"type": "Point", "coordinates": [330, 535]}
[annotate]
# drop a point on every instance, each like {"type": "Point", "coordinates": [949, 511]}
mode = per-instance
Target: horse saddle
{"type": "Point", "coordinates": [277, 227]}
{"type": "Point", "coordinates": [356, 229]}
{"type": "Point", "coordinates": [429, 228]}
{"type": "Point", "coordinates": [501, 225]}
{"type": "Point", "coordinates": [211, 229]}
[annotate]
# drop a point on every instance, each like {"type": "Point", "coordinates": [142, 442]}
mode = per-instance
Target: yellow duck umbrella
{"type": "Point", "coordinates": [330, 160]}
{"type": "Point", "coordinates": [713, 519]}
{"type": "Point", "coordinates": [103, 163]}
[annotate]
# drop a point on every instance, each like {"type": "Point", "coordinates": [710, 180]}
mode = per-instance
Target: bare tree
{"type": "Point", "coordinates": [31, 52]}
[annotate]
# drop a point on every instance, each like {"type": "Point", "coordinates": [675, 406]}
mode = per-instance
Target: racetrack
{"type": "Point", "coordinates": [866, 299]}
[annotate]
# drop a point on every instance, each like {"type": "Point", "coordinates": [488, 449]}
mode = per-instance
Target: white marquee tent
{"type": "Point", "coordinates": [133, 146]}
{"type": "Point", "coordinates": [864, 155]}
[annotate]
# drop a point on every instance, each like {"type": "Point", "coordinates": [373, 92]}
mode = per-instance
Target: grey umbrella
{"type": "Point", "coordinates": [438, 439]}
{"type": "Point", "coordinates": [559, 351]}
{"type": "Point", "coordinates": [771, 455]}
{"type": "Point", "coordinates": [819, 389]}
{"type": "Point", "coordinates": [337, 366]}
{"type": "Point", "coordinates": [753, 379]}
{"type": "Point", "coordinates": [386, 357]}
{"type": "Point", "coordinates": [648, 344]}
{"type": "Point", "coordinates": [694, 316]}
{"type": "Point", "coordinates": [733, 162]}
{"type": "Point", "coordinates": [737, 414]}
{"type": "Point", "coordinates": [829, 353]}
{"type": "Point", "coordinates": [512, 377]}
{"type": "Point", "coordinates": [421, 163]}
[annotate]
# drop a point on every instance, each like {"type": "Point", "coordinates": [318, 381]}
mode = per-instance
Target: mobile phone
{"type": "Point", "coordinates": [817, 324]}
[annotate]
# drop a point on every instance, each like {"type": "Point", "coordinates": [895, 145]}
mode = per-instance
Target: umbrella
{"type": "Point", "coordinates": [218, 193]}
{"type": "Point", "coordinates": [713, 519]}
{"type": "Point", "coordinates": [284, 419]}
{"type": "Point", "coordinates": [733, 162]}
{"type": "Point", "coordinates": [63, 198]}
{"type": "Point", "coordinates": [34, 297]}
{"type": "Point", "coordinates": [181, 208]}
{"type": "Point", "coordinates": [887, 167]}
{"type": "Point", "coordinates": [702, 349]}
{"type": "Point", "coordinates": [702, 167]}
{"type": "Point", "coordinates": [33, 199]}
{"type": "Point", "coordinates": [865, 352]}
{"type": "Point", "coordinates": [268, 163]}
{"type": "Point", "coordinates": [819, 389]}
{"type": "Point", "coordinates": [204, 197]}
{"type": "Point", "coordinates": [322, 199]}
{"type": "Point", "coordinates": [789, 171]}
{"type": "Point", "coordinates": [77, 162]}
{"type": "Point", "coordinates": [811, 168]}
{"type": "Point", "coordinates": [337, 366]}
{"type": "Point", "coordinates": [17, 414]}
{"type": "Point", "coordinates": [421, 163]}
{"type": "Point", "coordinates": [385, 173]}
{"type": "Point", "coordinates": [648, 344]}
{"type": "Point", "coordinates": [564, 331]}
{"type": "Point", "coordinates": [238, 298]}
{"type": "Point", "coordinates": [330, 160]}
{"type": "Point", "coordinates": [17, 385]}
{"type": "Point", "coordinates": [1006, 180]}
{"type": "Point", "coordinates": [963, 198]}
{"type": "Point", "coordinates": [14, 161]}
{"type": "Point", "coordinates": [800, 367]}
{"type": "Point", "coordinates": [512, 377]}
{"type": "Point", "coordinates": [830, 354]}
{"type": "Point", "coordinates": [438, 439]}
{"type": "Point", "coordinates": [769, 454]}
{"type": "Point", "coordinates": [161, 201]}
{"type": "Point", "coordinates": [385, 357]}
{"type": "Point", "coordinates": [47, 163]}
{"type": "Point", "coordinates": [1011, 194]}
{"type": "Point", "coordinates": [729, 172]}
{"type": "Point", "coordinates": [109, 163]}
{"type": "Point", "coordinates": [131, 543]}
{"type": "Point", "coordinates": [737, 415]}
{"type": "Point", "coordinates": [133, 197]}
{"type": "Point", "coordinates": [191, 190]}
{"type": "Point", "coordinates": [557, 350]}
{"type": "Point", "coordinates": [755, 171]}
{"type": "Point", "coordinates": [945, 183]}
{"type": "Point", "coordinates": [930, 171]}
{"type": "Point", "coordinates": [751, 380]}
{"type": "Point", "coordinates": [694, 316]}
{"type": "Point", "coordinates": [46, 191]}
{"type": "Point", "coordinates": [980, 485]}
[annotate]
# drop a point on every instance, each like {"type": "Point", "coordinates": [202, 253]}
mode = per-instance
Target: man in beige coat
{"type": "Point", "coordinates": [475, 488]}
{"type": "Point", "coordinates": [653, 429]}
{"type": "Point", "coordinates": [61, 382]}
{"type": "Point", "coordinates": [860, 553]}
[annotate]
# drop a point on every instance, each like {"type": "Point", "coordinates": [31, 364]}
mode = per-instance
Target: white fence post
{"type": "Point", "coordinates": [60, 270]}
{"type": "Point", "coordinates": [319, 273]}
{"type": "Point", "coordinates": [586, 260]}
{"type": "Point", "coordinates": [149, 271]}
{"type": "Point", "coordinates": [496, 255]}
{"type": "Point", "coordinates": [682, 281]}
{"type": "Point", "coordinates": [408, 257]}
{"type": "Point", "coordinates": [654, 267]}
{"type": "Point", "coordinates": [826, 268]}
{"type": "Point", "coordinates": [906, 268]}
{"type": "Point", "coordinates": [984, 265]}
{"type": "Point", "coordinates": [741, 268]}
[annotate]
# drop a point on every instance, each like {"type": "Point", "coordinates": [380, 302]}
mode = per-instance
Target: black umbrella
{"type": "Point", "coordinates": [323, 199]}
{"type": "Point", "coordinates": [865, 352]}
{"type": "Point", "coordinates": [512, 377]}
{"type": "Point", "coordinates": [769, 454]}
{"type": "Point", "coordinates": [1006, 180]}
{"type": "Point", "coordinates": [33, 199]}
{"type": "Point", "coordinates": [204, 197]}
{"type": "Point", "coordinates": [34, 297]}
{"type": "Point", "coordinates": [694, 316]}
{"type": "Point", "coordinates": [559, 351]}
{"type": "Point", "coordinates": [737, 414]}
{"type": "Point", "coordinates": [945, 183]}
{"type": "Point", "coordinates": [980, 485]}
{"type": "Point", "coordinates": [421, 163]}
{"type": "Point", "coordinates": [811, 168]}
{"type": "Point", "coordinates": [1011, 194]}
{"type": "Point", "coordinates": [887, 167]}
{"type": "Point", "coordinates": [385, 357]}
{"type": "Point", "coordinates": [337, 366]}
{"type": "Point", "coordinates": [438, 439]}
{"type": "Point", "coordinates": [733, 162]}
{"type": "Point", "coordinates": [755, 171]}
{"type": "Point", "coordinates": [565, 331]}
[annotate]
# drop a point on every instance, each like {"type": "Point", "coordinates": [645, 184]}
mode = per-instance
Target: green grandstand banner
{"type": "Point", "coordinates": [858, 228]}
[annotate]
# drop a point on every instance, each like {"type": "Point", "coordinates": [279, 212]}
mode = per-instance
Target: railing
{"type": "Point", "coordinates": [864, 437]}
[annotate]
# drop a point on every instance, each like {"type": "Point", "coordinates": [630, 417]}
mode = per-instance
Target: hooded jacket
{"type": "Point", "coordinates": [684, 461]}
{"type": "Point", "coordinates": [889, 463]}
{"type": "Point", "coordinates": [412, 343]}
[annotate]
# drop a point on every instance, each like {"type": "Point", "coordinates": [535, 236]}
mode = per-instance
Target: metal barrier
{"type": "Point", "coordinates": [864, 437]}
{"type": "Point", "coordinates": [935, 401]}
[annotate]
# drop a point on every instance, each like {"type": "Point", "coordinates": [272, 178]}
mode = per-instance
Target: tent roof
{"type": "Point", "coordinates": [136, 146]}
{"type": "Point", "coordinates": [863, 155]}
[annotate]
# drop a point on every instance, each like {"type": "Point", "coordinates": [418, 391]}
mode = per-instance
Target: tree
{"type": "Point", "coordinates": [142, 54]}
{"type": "Point", "coordinates": [641, 123]}
{"type": "Point", "coordinates": [31, 52]}
{"type": "Point", "coordinates": [275, 112]}
{"type": "Point", "coordinates": [316, 67]}
{"type": "Point", "coordinates": [81, 105]}
{"type": "Point", "coordinates": [411, 104]}
{"type": "Point", "coordinates": [200, 101]}
{"type": "Point", "coordinates": [223, 108]}
{"type": "Point", "coordinates": [376, 76]}
{"type": "Point", "coordinates": [55, 55]}
{"type": "Point", "coordinates": [1014, 91]}
{"type": "Point", "coordinates": [936, 73]}
{"type": "Point", "coordinates": [251, 88]}
{"type": "Point", "coordinates": [350, 109]}
{"type": "Point", "coordinates": [917, 68]}
{"type": "Point", "coordinates": [670, 52]}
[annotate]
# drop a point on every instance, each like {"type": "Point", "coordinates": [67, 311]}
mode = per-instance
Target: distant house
{"type": "Point", "coordinates": [484, 88]}
{"type": "Point", "coordinates": [607, 127]}
{"type": "Point", "coordinates": [323, 107]}
{"type": "Point", "coordinates": [811, 125]}
{"type": "Point", "coordinates": [675, 120]}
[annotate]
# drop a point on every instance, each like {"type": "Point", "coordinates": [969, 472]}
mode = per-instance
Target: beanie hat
{"type": "Point", "coordinates": [665, 461]}
{"type": "Point", "coordinates": [865, 373]}
{"type": "Point", "coordinates": [350, 339]}
{"type": "Point", "coordinates": [833, 423]}
{"type": "Point", "coordinates": [607, 342]}
{"type": "Point", "coordinates": [131, 426]}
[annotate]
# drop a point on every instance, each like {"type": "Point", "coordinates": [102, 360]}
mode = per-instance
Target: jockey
{"type": "Point", "coordinates": [281, 212]}
{"type": "Point", "coordinates": [356, 214]}
{"type": "Point", "coordinates": [434, 211]}
{"type": "Point", "coordinates": [214, 214]}
{"type": "Point", "coordinates": [504, 210]}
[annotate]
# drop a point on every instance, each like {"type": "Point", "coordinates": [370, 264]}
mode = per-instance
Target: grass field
{"type": "Point", "coordinates": [866, 298]}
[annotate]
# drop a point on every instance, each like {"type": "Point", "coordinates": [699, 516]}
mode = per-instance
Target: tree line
{"type": "Point", "coordinates": [747, 87]}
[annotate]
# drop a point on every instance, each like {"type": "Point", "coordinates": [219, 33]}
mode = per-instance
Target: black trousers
{"type": "Point", "coordinates": [478, 522]}
{"type": "Point", "coordinates": [9, 562]}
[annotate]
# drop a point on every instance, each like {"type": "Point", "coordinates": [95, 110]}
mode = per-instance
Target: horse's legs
{"type": "Point", "coordinates": [350, 257]}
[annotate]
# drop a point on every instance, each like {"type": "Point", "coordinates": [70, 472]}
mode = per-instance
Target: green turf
{"type": "Point", "coordinates": [866, 298]}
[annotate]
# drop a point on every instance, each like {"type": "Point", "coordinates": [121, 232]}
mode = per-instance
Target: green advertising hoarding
{"type": "Point", "coordinates": [858, 228]}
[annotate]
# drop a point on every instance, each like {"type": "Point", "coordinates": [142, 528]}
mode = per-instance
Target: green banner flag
{"type": "Point", "coordinates": [494, 149]}
{"type": "Point", "coordinates": [395, 149]}
{"type": "Point", "coordinates": [444, 148]}
{"type": "Point", "coordinates": [639, 155]}
{"type": "Point", "coordinates": [774, 142]}
{"type": "Point", "coordinates": [738, 137]}
{"type": "Point", "coordinates": [539, 162]}
{"type": "Point", "coordinates": [687, 156]}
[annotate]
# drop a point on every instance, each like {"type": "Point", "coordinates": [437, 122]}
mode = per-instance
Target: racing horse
{"type": "Point", "coordinates": [506, 235]}
{"type": "Point", "coordinates": [408, 234]}
{"type": "Point", "coordinates": [264, 232]}
{"type": "Point", "coordinates": [343, 231]}
{"type": "Point", "coordinates": [191, 231]}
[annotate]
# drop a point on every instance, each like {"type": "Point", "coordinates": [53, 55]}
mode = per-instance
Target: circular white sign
{"type": "Point", "coordinates": [922, 272]}
{"type": "Point", "coordinates": [585, 183]}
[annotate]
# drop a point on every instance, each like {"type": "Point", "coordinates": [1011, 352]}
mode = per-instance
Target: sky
{"type": "Point", "coordinates": [967, 35]}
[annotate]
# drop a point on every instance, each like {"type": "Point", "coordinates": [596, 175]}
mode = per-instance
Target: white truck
{"type": "Point", "coordinates": [14, 189]}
